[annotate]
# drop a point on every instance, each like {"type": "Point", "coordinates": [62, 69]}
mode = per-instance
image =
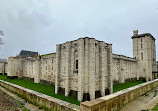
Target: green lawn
{"type": "Point", "coordinates": [155, 108]}
{"type": "Point", "coordinates": [50, 90]}
{"type": "Point", "coordinates": [118, 87]}
{"type": "Point", "coordinates": [42, 88]}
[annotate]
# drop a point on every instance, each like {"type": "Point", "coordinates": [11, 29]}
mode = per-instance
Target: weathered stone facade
{"type": "Point", "coordinates": [15, 67]}
{"type": "Point", "coordinates": [84, 65]}
{"type": "Point", "coordinates": [86, 68]}
{"type": "Point", "coordinates": [3, 66]}
{"type": "Point", "coordinates": [144, 50]}
{"type": "Point", "coordinates": [40, 69]}
{"type": "Point", "coordinates": [124, 68]}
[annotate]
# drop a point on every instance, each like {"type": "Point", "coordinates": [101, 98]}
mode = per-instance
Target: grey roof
{"type": "Point", "coordinates": [25, 53]}
{"type": "Point", "coordinates": [142, 35]}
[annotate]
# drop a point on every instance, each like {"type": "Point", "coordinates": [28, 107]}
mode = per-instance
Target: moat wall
{"type": "Point", "coordinates": [112, 102]}
{"type": "Point", "coordinates": [115, 101]}
{"type": "Point", "coordinates": [41, 100]}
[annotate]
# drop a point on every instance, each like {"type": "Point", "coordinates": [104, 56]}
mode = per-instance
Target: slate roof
{"type": "Point", "coordinates": [25, 53]}
{"type": "Point", "coordinates": [142, 35]}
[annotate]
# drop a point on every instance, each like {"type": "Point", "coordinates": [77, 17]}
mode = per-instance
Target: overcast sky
{"type": "Point", "coordinates": [38, 25]}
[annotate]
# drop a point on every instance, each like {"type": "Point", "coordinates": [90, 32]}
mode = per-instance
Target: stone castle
{"type": "Point", "coordinates": [86, 68]}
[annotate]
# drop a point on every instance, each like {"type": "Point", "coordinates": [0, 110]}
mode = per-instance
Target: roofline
{"type": "Point", "coordinates": [142, 35]}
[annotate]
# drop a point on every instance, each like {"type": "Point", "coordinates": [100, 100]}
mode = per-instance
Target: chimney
{"type": "Point", "coordinates": [135, 32]}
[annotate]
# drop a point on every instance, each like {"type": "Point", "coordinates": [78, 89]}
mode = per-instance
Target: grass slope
{"type": "Point", "coordinates": [42, 88]}
{"type": "Point", "coordinates": [50, 90]}
{"type": "Point", "coordinates": [155, 108]}
{"type": "Point", "coordinates": [119, 87]}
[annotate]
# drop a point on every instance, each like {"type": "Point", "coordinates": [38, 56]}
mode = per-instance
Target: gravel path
{"type": "Point", "coordinates": [7, 103]}
{"type": "Point", "coordinates": [18, 103]}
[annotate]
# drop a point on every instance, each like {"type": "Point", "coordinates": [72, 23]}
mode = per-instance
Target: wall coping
{"type": "Point", "coordinates": [116, 94]}
{"type": "Point", "coordinates": [49, 98]}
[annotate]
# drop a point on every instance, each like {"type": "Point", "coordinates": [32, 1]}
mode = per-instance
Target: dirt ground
{"type": "Point", "coordinates": [7, 103]}
{"type": "Point", "coordinates": [16, 104]}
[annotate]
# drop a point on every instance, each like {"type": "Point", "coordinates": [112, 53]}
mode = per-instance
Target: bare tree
{"type": "Point", "coordinates": [1, 34]}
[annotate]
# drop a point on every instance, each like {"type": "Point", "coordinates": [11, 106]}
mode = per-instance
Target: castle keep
{"type": "Point", "coordinates": [84, 65]}
{"type": "Point", "coordinates": [86, 68]}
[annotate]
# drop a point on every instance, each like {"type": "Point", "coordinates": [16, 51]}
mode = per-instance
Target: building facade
{"type": "Point", "coordinates": [3, 66]}
{"type": "Point", "coordinates": [86, 68]}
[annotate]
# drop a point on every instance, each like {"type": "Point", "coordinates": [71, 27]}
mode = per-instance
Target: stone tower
{"type": "Point", "coordinates": [15, 69]}
{"type": "Point", "coordinates": [145, 52]}
{"type": "Point", "coordinates": [84, 68]}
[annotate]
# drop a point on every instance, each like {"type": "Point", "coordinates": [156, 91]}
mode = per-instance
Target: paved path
{"type": "Point", "coordinates": [27, 105]}
{"type": "Point", "coordinates": [144, 102]}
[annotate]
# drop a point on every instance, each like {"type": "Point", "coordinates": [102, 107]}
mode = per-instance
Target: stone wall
{"type": "Point", "coordinates": [6, 68]}
{"type": "Point", "coordinates": [124, 68]}
{"type": "Point", "coordinates": [48, 68]}
{"type": "Point", "coordinates": [115, 101]}
{"type": "Point", "coordinates": [144, 50]}
{"type": "Point", "coordinates": [3, 66]}
{"type": "Point", "coordinates": [40, 69]}
{"type": "Point", "coordinates": [84, 65]}
{"type": "Point", "coordinates": [29, 68]}
{"type": "Point", "coordinates": [15, 67]}
{"type": "Point", "coordinates": [42, 100]}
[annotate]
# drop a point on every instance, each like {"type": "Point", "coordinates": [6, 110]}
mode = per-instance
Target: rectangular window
{"type": "Point", "coordinates": [141, 45]}
{"type": "Point", "coordinates": [76, 64]}
{"type": "Point", "coordinates": [142, 55]}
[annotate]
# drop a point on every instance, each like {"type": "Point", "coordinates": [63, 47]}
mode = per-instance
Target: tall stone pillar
{"type": "Point", "coordinates": [80, 68]}
{"type": "Point", "coordinates": [137, 71]}
{"type": "Point", "coordinates": [145, 57]}
{"type": "Point", "coordinates": [20, 67]}
{"type": "Point", "coordinates": [68, 67]}
{"type": "Point", "coordinates": [121, 72]}
{"type": "Point", "coordinates": [57, 75]}
{"type": "Point", "coordinates": [38, 70]}
{"type": "Point", "coordinates": [86, 65]}
{"type": "Point", "coordinates": [92, 69]}
{"type": "Point", "coordinates": [103, 65]}
{"type": "Point", "coordinates": [109, 65]}
{"type": "Point", "coordinates": [3, 68]}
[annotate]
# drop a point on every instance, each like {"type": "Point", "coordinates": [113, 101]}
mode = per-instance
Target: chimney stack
{"type": "Point", "coordinates": [135, 32]}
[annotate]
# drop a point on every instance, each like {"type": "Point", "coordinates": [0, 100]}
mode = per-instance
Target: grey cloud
{"type": "Point", "coordinates": [40, 25]}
